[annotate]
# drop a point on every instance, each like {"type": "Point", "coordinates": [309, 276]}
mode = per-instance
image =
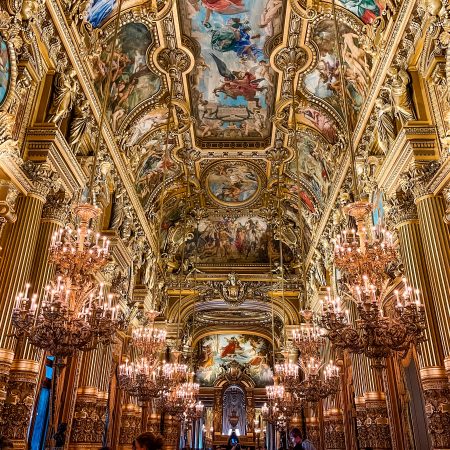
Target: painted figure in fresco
{"type": "Point", "coordinates": [366, 10]}
{"type": "Point", "coordinates": [225, 7]}
{"type": "Point", "coordinates": [4, 69]}
{"type": "Point", "coordinates": [235, 36]}
{"type": "Point", "coordinates": [231, 348]}
{"type": "Point", "coordinates": [271, 12]}
{"type": "Point", "coordinates": [132, 81]}
{"type": "Point", "coordinates": [237, 84]}
{"type": "Point", "coordinates": [99, 11]}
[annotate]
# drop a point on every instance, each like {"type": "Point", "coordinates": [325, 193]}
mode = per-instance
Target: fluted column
{"type": "Point", "coordinates": [16, 266]}
{"type": "Point", "coordinates": [435, 238]}
{"type": "Point", "coordinates": [405, 216]}
{"type": "Point", "coordinates": [25, 367]}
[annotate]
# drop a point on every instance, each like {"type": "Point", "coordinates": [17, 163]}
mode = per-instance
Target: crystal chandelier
{"type": "Point", "coordinates": [308, 338]}
{"type": "Point", "coordinates": [363, 258]}
{"type": "Point", "coordinates": [149, 340]}
{"type": "Point", "coordinates": [287, 373]}
{"type": "Point", "coordinates": [74, 312]}
{"type": "Point", "coordinates": [316, 387]}
{"type": "Point", "coordinates": [141, 379]}
{"type": "Point", "coordinates": [271, 411]}
{"type": "Point", "coordinates": [180, 398]}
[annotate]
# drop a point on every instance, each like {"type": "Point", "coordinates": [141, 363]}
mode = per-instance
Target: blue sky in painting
{"type": "Point", "coordinates": [99, 10]}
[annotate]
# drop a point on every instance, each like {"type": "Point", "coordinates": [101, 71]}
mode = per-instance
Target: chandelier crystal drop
{"type": "Point", "coordinates": [364, 259]}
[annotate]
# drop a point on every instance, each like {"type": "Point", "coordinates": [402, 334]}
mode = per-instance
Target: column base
{"type": "Point", "coordinates": [313, 430]}
{"type": "Point", "coordinates": [89, 419]}
{"type": "Point", "coordinates": [436, 392]}
{"type": "Point", "coordinates": [6, 359]}
{"type": "Point", "coordinates": [18, 406]}
{"type": "Point", "coordinates": [334, 430]}
{"type": "Point", "coordinates": [373, 422]}
{"type": "Point", "coordinates": [130, 425]}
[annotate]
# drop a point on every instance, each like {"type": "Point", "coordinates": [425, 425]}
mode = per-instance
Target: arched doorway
{"type": "Point", "coordinates": [234, 413]}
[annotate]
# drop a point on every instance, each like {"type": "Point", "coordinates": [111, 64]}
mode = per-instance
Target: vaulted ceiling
{"type": "Point", "coordinates": [201, 98]}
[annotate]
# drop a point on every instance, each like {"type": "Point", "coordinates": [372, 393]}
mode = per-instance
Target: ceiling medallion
{"type": "Point", "coordinates": [232, 291]}
{"type": "Point", "coordinates": [234, 183]}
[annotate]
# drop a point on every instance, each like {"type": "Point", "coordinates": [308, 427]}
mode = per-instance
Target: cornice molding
{"type": "Point", "coordinates": [412, 144]}
{"type": "Point", "coordinates": [45, 142]}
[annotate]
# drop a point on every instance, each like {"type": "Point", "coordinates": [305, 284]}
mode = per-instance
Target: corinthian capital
{"type": "Point", "coordinates": [57, 208]}
{"type": "Point", "coordinates": [401, 208]}
{"type": "Point", "coordinates": [44, 179]}
{"type": "Point", "coordinates": [8, 196]}
{"type": "Point", "coordinates": [417, 179]}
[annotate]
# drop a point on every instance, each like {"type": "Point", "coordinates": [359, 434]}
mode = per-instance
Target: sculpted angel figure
{"type": "Point", "coordinates": [385, 124]}
{"type": "Point", "coordinates": [66, 88]}
{"type": "Point", "coordinates": [400, 94]}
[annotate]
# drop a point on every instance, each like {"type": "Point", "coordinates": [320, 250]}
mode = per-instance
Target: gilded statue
{"type": "Point", "coordinates": [79, 125]}
{"type": "Point", "coordinates": [399, 89]}
{"type": "Point", "coordinates": [66, 88]}
{"type": "Point", "coordinates": [385, 131]}
{"type": "Point", "coordinates": [118, 212]}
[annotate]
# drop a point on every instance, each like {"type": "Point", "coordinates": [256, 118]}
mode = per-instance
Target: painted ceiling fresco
{"type": "Point", "coordinates": [99, 11]}
{"type": "Point", "coordinates": [324, 80]}
{"type": "Point", "coordinates": [132, 80]}
{"type": "Point", "coordinates": [5, 69]}
{"type": "Point", "coordinates": [241, 240]}
{"type": "Point", "coordinates": [366, 10]}
{"type": "Point", "coordinates": [233, 86]}
{"type": "Point", "coordinates": [313, 164]}
{"type": "Point", "coordinates": [216, 352]}
{"type": "Point", "coordinates": [232, 183]}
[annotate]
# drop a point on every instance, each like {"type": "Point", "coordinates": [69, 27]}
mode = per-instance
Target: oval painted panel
{"type": "Point", "coordinates": [232, 182]}
{"type": "Point", "coordinates": [5, 69]}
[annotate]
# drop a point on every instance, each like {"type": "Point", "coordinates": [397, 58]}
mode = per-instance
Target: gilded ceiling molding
{"type": "Point", "coordinates": [398, 32]}
{"type": "Point", "coordinates": [85, 79]}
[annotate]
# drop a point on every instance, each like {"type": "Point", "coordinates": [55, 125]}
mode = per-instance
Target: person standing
{"type": "Point", "coordinates": [299, 443]}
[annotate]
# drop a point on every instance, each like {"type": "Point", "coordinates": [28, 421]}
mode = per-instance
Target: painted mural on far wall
{"type": "Point", "coordinates": [215, 352]}
{"type": "Point", "coordinates": [5, 69]}
{"type": "Point", "coordinates": [232, 84]}
{"type": "Point", "coordinates": [132, 81]}
{"type": "Point", "coordinates": [324, 80]}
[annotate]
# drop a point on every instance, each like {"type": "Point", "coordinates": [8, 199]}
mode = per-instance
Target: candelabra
{"type": "Point", "coordinates": [58, 326]}
{"type": "Point", "coordinates": [287, 373]}
{"type": "Point", "coordinates": [149, 340]}
{"type": "Point", "coordinates": [309, 337]}
{"type": "Point", "coordinates": [194, 411]}
{"type": "Point", "coordinates": [180, 399]}
{"type": "Point", "coordinates": [363, 258]}
{"type": "Point", "coordinates": [314, 387]}
{"type": "Point", "coordinates": [142, 379]}
{"type": "Point", "coordinates": [73, 314]}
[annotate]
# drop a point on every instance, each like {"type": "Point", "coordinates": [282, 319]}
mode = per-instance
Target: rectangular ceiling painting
{"type": "Point", "coordinates": [233, 86]}
{"type": "Point", "coordinates": [216, 352]}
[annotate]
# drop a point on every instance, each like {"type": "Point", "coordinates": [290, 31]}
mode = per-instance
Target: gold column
{"type": "Point", "coordinates": [17, 261]}
{"type": "Point", "coordinates": [18, 408]}
{"type": "Point", "coordinates": [431, 356]}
